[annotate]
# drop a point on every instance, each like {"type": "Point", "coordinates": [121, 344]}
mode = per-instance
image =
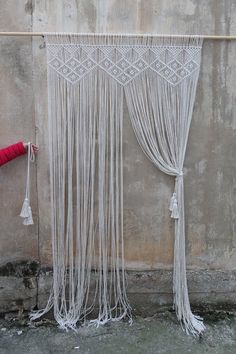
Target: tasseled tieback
{"type": "Point", "coordinates": [174, 208]}
{"type": "Point", "coordinates": [26, 212]}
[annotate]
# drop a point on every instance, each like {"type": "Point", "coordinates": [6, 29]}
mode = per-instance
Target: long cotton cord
{"type": "Point", "coordinates": [86, 161]}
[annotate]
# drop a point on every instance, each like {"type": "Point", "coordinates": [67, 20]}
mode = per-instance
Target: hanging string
{"type": "Point", "coordinates": [86, 174]}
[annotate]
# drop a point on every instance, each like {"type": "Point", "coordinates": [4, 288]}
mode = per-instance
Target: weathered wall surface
{"type": "Point", "coordinates": [210, 180]}
{"type": "Point", "coordinates": [17, 122]}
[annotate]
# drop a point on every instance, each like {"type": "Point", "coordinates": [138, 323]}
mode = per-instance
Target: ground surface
{"type": "Point", "coordinates": [158, 334]}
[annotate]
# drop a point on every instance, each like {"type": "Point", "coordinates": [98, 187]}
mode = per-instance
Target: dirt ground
{"type": "Point", "coordinates": [158, 334]}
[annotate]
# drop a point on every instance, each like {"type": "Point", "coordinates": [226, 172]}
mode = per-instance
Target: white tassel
{"type": "Point", "coordinates": [173, 198]}
{"type": "Point", "coordinates": [175, 210]}
{"type": "Point", "coordinates": [174, 206]}
{"type": "Point", "coordinates": [29, 220]}
{"type": "Point", "coordinates": [26, 212]}
{"type": "Point", "coordinates": [25, 209]}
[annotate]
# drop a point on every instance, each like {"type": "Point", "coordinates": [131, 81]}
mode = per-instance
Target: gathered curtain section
{"type": "Point", "coordinates": [88, 78]}
{"type": "Point", "coordinates": [161, 116]}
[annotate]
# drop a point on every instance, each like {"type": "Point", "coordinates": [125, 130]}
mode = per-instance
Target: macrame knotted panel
{"type": "Point", "coordinates": [88, 76]}
{"type": "Point", "coordinates": [124, 63]}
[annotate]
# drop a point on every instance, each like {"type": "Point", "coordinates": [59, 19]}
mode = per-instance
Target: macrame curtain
{"type": "Point", "coordinates": [161, 113]}
{"type": "Point", "coordinates": [88, 76]}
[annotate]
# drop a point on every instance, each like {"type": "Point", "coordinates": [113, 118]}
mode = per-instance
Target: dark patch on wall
{"type": "Point", "coordinates": [29, 7]}
{"type": "Point", "coordinates": [89, 12]}
{"type": "Point", "coordinates": [16, 59]}
{"type": "Point", "coordinates": [20, 269]}
{"type": "Point", "coordinates": [28, 283]}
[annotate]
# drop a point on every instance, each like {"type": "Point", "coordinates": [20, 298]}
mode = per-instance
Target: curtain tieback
{"type": "Point", "coordinates": [174, 208]}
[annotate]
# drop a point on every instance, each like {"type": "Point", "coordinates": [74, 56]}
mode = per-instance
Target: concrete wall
{"type": "Point", "coordinates": [210, 180]}
{"type": "Point", "coordinates": [17, 122]}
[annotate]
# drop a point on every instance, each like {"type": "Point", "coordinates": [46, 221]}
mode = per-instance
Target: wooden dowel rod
{"type": "Point", "coordinates": [41, 34]}
{"type": "Point", "coordinates": [18, 34]}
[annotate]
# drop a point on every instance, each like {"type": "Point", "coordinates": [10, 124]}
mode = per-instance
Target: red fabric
{"type": "Point", "coordinates": [11, 152]}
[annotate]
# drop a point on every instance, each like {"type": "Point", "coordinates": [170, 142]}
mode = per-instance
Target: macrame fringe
{"type": "Point", "coordinates": [190, 323]}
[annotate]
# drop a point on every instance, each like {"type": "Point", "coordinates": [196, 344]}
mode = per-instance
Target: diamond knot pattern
{"type": "Point", "coordinates": [166, 72]}
{"type": "Point", "coordinates": [56, 63]}
{"type": "Point", "coordinates": [80, 70]}
{"type": "Point", "coordinates": [191, 66]}
{"type": "Point", "coordinates": [64, 70]}
{"type": "Point", "coordinates": [106, 64]}
{"type": "Point", "coordinates": [175, 65]}
{"type": "Point", "coordinates": [140, 64]}
{"type": "Point", "coordinates": [123, 63]}
{"type": "Point", "coordinates": [73, 77]}
{"type": "Point", "coordinates": [115, 71]}
{"type": "Point", "coordinates": [89, 64]}
{"type": "Point", "coordinates": [157, 65]}
{"type": "Point", "coordinates": [182, 72]}
{"type": "Point", "coordinates": [131, 71]}
{"type": "Point", "coordinates": [72, 63]}
{"type": "Point", "coordinates": [123, 78]}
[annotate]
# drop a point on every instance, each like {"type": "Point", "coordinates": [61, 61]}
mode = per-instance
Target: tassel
{"type": "Point", "coordinates": [174, 206]}
{"type": "Point", "coordinates": [172, 200]}
{"type": "Point", "coordinates": [29, 220]}
{"type": "Point", "coordinates": [175, 210]}
{"type": "Point", "coordinates": [25, 209]}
